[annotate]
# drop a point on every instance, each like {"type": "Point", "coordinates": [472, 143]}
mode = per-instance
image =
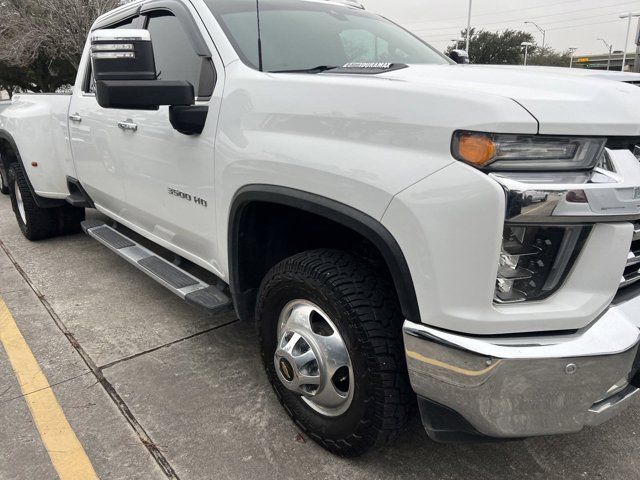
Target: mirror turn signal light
{"type": "Point", "coordinates": [478, 150]}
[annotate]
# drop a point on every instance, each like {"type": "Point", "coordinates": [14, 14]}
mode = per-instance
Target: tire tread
{"type": "Point", "coordinates": [42, 223]}
{"type": "Point", "coordinates": [374, 314]}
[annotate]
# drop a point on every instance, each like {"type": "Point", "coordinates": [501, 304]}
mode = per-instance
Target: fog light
{"type": "Point", "coordinates": [535, 260]}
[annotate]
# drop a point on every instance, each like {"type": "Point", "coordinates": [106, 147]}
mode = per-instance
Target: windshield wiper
{"type": "Point", "coordinates": [318, 69]}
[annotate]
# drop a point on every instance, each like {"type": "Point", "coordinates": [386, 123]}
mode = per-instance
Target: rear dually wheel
{"type": "Point", "coordinates": [39, 223]}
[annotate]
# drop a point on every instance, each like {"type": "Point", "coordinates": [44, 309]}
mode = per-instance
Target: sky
{"type": "Point", "coordinates": [569, 23]}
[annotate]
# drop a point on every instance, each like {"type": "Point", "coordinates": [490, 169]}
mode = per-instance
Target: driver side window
{"type": "Point", "coordinates": [174, 55]}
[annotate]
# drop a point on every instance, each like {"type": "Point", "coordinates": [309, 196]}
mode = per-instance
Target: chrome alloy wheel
{"type": "Point", "coordinates": [20, 202]}
{"type": "Point", "coordinates": [311, 358]}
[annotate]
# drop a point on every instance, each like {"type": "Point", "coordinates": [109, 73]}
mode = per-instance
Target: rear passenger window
{"type": "Point", "coordinates": [174, 55]}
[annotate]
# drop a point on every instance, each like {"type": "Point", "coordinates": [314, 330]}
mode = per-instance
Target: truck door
{"type": "Point", "coordinates": [94, 134]}
{"type": "Point", "coordinates": [166, 178]}
{"type": "Point", "coordinates": [169, 176]}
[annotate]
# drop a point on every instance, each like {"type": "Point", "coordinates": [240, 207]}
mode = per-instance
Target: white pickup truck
{"type": "Point", "coordinates": [398, 226]}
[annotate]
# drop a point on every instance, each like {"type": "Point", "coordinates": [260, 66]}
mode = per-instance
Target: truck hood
{"type": "Point", "coordinates": [563, 104]}
{"type": "Point", "coordinates": [616, 76]}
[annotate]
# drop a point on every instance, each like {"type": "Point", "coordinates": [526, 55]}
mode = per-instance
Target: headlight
{"type": "Point", "coordinates": [527, 152]}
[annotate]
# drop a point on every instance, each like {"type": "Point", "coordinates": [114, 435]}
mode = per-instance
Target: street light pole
{"type": "Point", "coordinates": [469, 25]}
{"type": "Point", "coordinates": [629, 16]}
{"type": "Point", "coordinates": [526, 46]}
{"type": "Point", "coordinates": [610, 47]}
{"type": "Point", "coordinates": [543, 31]}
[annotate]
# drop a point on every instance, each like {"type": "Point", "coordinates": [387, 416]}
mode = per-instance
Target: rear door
{"type": "Point", "coordinates": [168, 176]}
{"type": "Point", "coordinates": [94, 137]}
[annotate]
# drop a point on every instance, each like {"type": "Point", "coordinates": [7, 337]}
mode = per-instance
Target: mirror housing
{"type": "Point", "coordinates": [124, 70]}
{"type": "Point", "coordinates": [188, 120]}
{"type": "Point", "coordinates": [143, 94]}
{"type": "Point", "coordinates": [459, 56]}
{"type": "Point", "coordinates": [122, 55]}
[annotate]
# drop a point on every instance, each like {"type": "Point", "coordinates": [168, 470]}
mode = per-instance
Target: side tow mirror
{"type": "Point", "coordinates": [459, 56]}
{"type": "Point", "coordinates": [124, 69]}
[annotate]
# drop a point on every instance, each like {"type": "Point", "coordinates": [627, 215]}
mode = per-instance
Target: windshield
{"type": "Point", "coordinates": [303, 35]}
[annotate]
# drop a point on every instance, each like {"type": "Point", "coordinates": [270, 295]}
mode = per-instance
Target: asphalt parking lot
{"type": "Point", "coordinates": [154, 389]}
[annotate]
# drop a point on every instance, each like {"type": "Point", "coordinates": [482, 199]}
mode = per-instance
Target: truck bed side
{"type": "Point", "coordinates": [37, 125]}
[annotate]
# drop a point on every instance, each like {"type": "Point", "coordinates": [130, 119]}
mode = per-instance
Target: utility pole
{"type": "Point", "coordinates": [572, 50]}
{"type": "Point", "coordinates": [543, 31]}
{"type": "Point", "coordinates": [526, 46]}
{"type": "Point", "coordinates": [469, 25]}
{"type": "Point", "coordinates": [636, 63]}
{"type": "Point", "coordinates": [610, 47]}
{"type": "Point", "coordinates": [629, 16]}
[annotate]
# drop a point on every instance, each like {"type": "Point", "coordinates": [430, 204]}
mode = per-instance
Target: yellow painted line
{"type": "Point", "coordinates": [452, 368]}
{"type": "Point", "coordinates": [66, 453]}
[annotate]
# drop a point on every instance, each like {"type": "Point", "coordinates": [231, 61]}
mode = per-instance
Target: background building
{"type": "Point", "coordinates": [599, 61]}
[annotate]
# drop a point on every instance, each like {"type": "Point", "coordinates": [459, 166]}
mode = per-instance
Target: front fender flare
{"type": "Point", "coordinates": [340, 213]}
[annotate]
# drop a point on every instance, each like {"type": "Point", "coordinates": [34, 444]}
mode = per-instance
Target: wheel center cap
{"type": "Point", "coordinates": [286, 369]}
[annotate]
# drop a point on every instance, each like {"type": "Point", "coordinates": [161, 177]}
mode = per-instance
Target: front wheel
{"type": "Point", "coordinates": [330, 336]}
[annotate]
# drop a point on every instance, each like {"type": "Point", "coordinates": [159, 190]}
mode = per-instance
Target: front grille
{"type": "Point", "coordinates": [632, 270]}
{"type": "Point", "coordinates": [623, 143]}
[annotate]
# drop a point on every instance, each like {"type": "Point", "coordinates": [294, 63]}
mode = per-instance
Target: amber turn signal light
{"type": "Point", "coordinates": [476, 149]}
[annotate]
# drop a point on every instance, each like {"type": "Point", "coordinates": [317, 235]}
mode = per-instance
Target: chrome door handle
{"type": "Point", "coordinates": [128, 126]}
{"type": "Point", "coordinates": [75, 118]}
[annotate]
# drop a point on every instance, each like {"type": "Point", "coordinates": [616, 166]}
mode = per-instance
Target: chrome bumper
{"type": "Point", "coordinates": [521, 387]}
{"type": "Point", "coordinates": [587, 197]}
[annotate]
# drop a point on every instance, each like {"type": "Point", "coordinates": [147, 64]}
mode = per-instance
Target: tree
{"type": "Point", "coordinates": [12, 79]}
{"type": "Point", "coordinates": [551, 58]}
{"type": "Point", "coordinates": [499, 48]}
{"type": "Point", "coordinates": [505, 48]}
{"type": "Point", "coordinates": [45, 38]}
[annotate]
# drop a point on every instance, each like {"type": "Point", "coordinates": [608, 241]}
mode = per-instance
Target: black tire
{"type": "Point", "coordinates": [364, 307]}
{"type": "Point", "coordinates": [4, 181]}
{"type": "Point", "coordinates": [40, 223]}
{"type": "Point", "coordinates": [4, 184]}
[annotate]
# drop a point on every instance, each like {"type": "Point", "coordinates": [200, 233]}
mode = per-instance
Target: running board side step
{"type": "Point", "coordinates": [183, 284]}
